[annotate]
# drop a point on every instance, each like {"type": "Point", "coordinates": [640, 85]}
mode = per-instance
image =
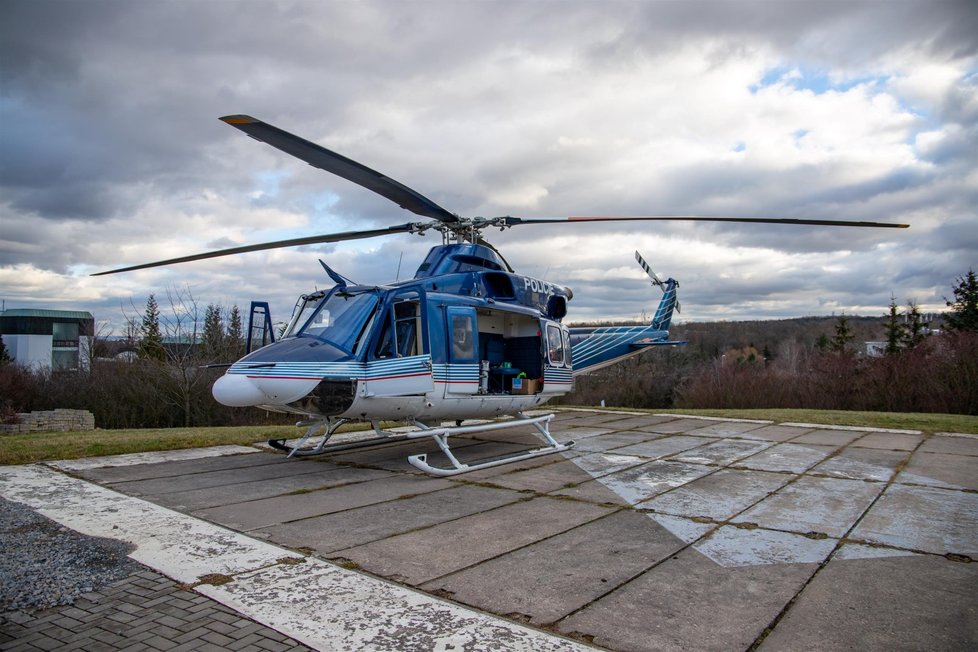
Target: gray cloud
{"type": "Point", "coordinates": [111, 150]}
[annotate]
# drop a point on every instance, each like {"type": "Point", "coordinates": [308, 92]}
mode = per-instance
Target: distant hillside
{"type": "Point", "coordinates": [712, 339]}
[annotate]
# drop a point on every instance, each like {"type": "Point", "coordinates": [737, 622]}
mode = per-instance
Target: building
{"type": "Point", "coordinates": [60, 340]}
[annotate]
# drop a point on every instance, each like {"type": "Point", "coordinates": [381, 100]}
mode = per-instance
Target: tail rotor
{"type": "Point", "coordinates": [655, 279]}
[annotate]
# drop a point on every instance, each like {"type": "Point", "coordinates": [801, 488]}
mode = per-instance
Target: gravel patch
{"type": "Point", "coordinates": [43, 564]}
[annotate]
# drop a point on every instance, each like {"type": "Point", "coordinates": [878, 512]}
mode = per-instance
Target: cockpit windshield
{"type": "Point", "coordinates": [340, 319]}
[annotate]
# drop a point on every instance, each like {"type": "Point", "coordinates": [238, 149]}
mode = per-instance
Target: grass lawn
{"type": "Point", "coordinates": [39, 446]}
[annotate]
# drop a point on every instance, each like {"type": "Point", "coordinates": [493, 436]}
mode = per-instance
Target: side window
{"type": "Point", "coordinates": [385, 343]}
{"type": "Point", "coordinates": [401, 332]}
{"type": "Point", "coordinates": [555, 346]}
{"type": "Point", "coordinates": [407, 328]}
{"type": "Point", "coordinates": [463, 342]}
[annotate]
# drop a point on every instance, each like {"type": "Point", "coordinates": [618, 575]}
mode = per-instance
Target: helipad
{"type": "Point", "coordinates": [655, 532]}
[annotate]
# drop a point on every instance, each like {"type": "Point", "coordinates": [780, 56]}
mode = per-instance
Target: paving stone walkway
{"type": "Point", "coordinates": [145, 611]}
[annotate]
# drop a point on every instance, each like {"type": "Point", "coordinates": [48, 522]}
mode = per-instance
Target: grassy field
{"type": "Point", "coordinates": [39, 446]}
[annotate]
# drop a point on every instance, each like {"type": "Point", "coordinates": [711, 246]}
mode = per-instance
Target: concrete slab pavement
{"type": "Point", "coordinates": [659, 532]}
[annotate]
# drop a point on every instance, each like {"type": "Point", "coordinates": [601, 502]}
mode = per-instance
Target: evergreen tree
{"type": "Point", "coordinates": [822, 343]}
{"type": "Point", "coordinates": [151, 343]}
{"type": "Point", "coordinates": [843, 335]}
{"type": "Point", "coordinates": [894, 328]}
{"type": "Point", "coordinates": [964, 308]}
{"type": "Point", "coordinates": [914, 333]}
{"type": "Point", "coordinates": [235, 335]}
{"type": "Point", "coordinates": [213, 340]}
{"type": "Point", "coordinates": [4, 355]}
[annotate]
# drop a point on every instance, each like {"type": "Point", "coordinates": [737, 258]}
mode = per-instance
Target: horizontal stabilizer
{"type": "Point", "coordinates": [641, 344]}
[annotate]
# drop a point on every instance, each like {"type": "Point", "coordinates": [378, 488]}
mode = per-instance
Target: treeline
{"type": "Point", "coordinates": [923, 364]}
{"type": "Point", "coordinates": [159, 375]}
{"type": "Point", "coordinates": [121, 394]}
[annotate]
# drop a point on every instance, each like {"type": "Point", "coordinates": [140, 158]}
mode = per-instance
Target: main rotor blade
{"type": "Point", "coordinates": [295, 242]}
{"type": "Point", "coordinates": [513, 221]}
{"type": "Point", "coordinates": [324, 159]}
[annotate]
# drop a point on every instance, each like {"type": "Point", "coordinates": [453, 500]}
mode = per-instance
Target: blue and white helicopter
{"type": "Point", "coordinates": [466, 339]}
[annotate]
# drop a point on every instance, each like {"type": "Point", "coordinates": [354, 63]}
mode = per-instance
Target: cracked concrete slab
{"type": "Point", "coordinates": [829, 437]}
{"type": "Point", "coordinates": [643, 422]}
{"type": "Point", "coordinates": [776, 433]}
{"type": "Point", "coordinates": [354, 527]}
{"type": "Point", "coordinates": [559, 575]}
{"type": "Point", "coordinates": [690, 603]}
{"type": "Point", "coordinates": [731, 546]}
{"type": "Point", "coordinates": [423, 555]}
{"type": "Point", "coordinates": [950, 443]}
{"type": "Point", "coordinates": [940, 470]}
{"type": "Point", "coordinates": [282, 509]}
{"type": "Point", "coordinates": [828, 506]}
{"type": "Point", "coordinates": [862, 464]}
{"type": "Point", "coordinates": [791, 458]}
{"type": "Point", "coordinates": [141, 460]}
{"type": "Point", "coordinates": [598, 464]}
{"type": "Point", "coordinates": [938, 521]}
{"type": "Point", "coordinates": [728, 428]}
{"type": "Point", "coordinates": [918, 602]}
{"type": "Point", "coordinates": [674, 425]}
{"type": "Point", "coordinates": [197, 499]}
{"type": "Point", "coordinates": [643, 482]}
{"type": "Point", "coordinates": [889, 441]}
{"type": "Point", "coordinates": [719, 495]}
{"type": "Point", "coordinates": [218, 478]}
{"type": "Point", "coordinates": [144, 467]}
{"type": "Point", "coordinates": [614, 440]}
{"type": "Point", "coordinates": [664, 447]}
{"type": "Point", "coordinates": [723, 452]}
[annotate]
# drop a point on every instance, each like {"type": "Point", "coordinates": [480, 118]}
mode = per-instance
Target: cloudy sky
{"type": "Point", "coordinates": [112, 154]}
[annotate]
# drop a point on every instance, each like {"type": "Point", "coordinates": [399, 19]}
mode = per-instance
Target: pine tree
{"type": "Point", "coordinates": [914, 330]}
{"type": "Point", "coordinates": [235, 335]}
{"type": "Point", "coordinates": [151, 343]}
{"type": "Point", "coordinates": [4, 355]}
{"type": "Point", "coordinates": [213, 339]}
{"type": "Point", "coordinates": [964, 309]}
{"type": "Point", "coordinates": [894, 328]}
{"type": "Point", "coordinates": [843, 335]}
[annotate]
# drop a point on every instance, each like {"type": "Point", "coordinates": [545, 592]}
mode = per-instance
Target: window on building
{"type": "Point", "coordinates": [64, 334]}
{"type": "Point", "coordinates": [64, 360]}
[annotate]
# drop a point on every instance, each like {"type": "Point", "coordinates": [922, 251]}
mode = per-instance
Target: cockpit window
{"type": "Point", "coordinates": [341, 319]}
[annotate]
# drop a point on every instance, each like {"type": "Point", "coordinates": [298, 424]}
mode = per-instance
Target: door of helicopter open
{"type": "Point", "coordinates": [399, 363]}
{"type": "Point", "coordinates": [558, 373]}
{"type": "Point", "coordinates": [461, 374]}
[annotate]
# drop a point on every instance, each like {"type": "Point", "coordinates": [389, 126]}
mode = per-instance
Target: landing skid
{"type": "Point", "coordinates": [440, 435]}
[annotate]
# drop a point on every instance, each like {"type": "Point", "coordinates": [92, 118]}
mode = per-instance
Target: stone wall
{"type": "Point", "coordinates": [51, 420]}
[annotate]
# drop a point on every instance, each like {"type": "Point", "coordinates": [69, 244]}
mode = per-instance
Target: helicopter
{"type": "Point", "coordinates": [466, 339]}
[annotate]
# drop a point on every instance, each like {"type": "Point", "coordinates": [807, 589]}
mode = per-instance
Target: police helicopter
{"type": "Point", "coordinates": [467, 338]}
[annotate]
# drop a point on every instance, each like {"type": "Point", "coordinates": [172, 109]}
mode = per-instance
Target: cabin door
{"type": "Point", "coordinates": [461, 374]}
{"type": "Point", "coordinates": [558, 376]}
{"type": "Point", "coordinates": [400, 365]}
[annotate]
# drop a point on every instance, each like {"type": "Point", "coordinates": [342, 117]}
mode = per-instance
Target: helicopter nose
{"type": "Point", "coordinates": [236, 390]}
